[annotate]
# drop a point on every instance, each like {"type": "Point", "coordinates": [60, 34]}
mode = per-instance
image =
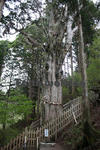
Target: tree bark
{"type": "Point", "coordinates": [33, 93]}
{"type": "Point", "coordinates": [52, 99]}
{"type": "Point", "coordinates": [79, 61]}
{"type": "Point", "coordinates": [72, 84]}
{"type": "Point", "coordinates": [86, 106]}
{"type": "Point", "coordinates": [90, 135]}
{"type": "Point", "coordinates": [68, 66]}
{"type": "Point", "coordinates": [2, 2]}
{"type": "Point", "coordinates": [38, 103]}
{"type": "Point", "coordinates": [59, 22]}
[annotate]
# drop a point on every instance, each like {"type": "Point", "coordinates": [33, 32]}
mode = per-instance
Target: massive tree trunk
{"type": "Point", "coordinates": [59, 23]}
{"type": "Point", "coordinates": [52, 91]}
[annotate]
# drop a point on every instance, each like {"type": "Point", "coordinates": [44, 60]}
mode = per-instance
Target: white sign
{"type": "Point", "coordinates": [46, 132]}
{"type": "Point", "coordinates": [25, 139]}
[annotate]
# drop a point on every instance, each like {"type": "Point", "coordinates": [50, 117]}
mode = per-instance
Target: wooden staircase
{"type": "Point", "coordinates": [72, 111]}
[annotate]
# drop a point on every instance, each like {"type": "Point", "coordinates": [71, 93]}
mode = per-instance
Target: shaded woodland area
{"type": "Point", "coordinates": [54, 58]}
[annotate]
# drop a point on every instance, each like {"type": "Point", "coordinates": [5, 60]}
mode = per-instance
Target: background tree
{"type": "Point", "coordinates": [3, 52]}
{"type": "Point", "coordinates": [2, 2]}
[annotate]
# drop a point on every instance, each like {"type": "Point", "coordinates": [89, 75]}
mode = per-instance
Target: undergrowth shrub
{"type": "Point", "coordinates": [7, 134]}
{"type": "Point", "coordinates": [73, 136]}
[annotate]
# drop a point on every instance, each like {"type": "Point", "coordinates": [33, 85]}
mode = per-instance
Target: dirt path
{"type": "Point", "coordinates": [56, 147]}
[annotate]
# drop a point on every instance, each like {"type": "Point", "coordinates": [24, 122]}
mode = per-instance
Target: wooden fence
{"type": "Point", "coordinates": [30, 136]}
{"type": "Point", "coordinates": [35, 124]}
{"type": "Point", "coordinates": [70, 103]}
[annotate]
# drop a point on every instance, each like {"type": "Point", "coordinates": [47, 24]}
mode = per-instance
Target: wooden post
{"type": "Point", "coordinates": [37, 143]}
{"type": "Point", "coordinates": [56, 130]}
{"type": "Point", "coordinates": [74, 115]}
{"type": "Point", "coordinates": [26, 138]}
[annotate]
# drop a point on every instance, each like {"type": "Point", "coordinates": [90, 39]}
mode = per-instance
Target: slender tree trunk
{"type": "Point", "coordinates": [79, 61]}
{"type": "Point", "coordinates": [71, 52]}
{"type": "Point", "coordinates": [90, 135]}
{"type": "Point", "coordinates": [33, 94]}
{"type": "Point", "coordinates": [68, 66]}
{"type": "Point", "coordinates": [38, 103]}
{"type": "Point", "coordinates": [86, 106]}
{"type": "Point", "coordinates": [2, 2]}
{"type": "Point", "coordinates": [0, 70]}
{"type": "Point", "coordinates": [4, 126]}
{"type": "Point", "coordinates": [8, 94]}
{"type": "Point", "coordinates": [31, 89]}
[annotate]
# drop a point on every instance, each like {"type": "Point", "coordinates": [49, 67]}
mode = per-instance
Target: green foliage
{"type": "Point", "coordinates": [71, 3]}
{"type": "Point", "coordinates": [73, 136]}
{"type": "Point", "coordinates": [8, 134]}
{"type": "Point", "coordinates": [67, 87]}
{"type": "Point", "coordinates": [94, 49]}
{"type": "Point", "coordinates": [3, 49]}
{"type": "Point", "coordinates": [65, 94]}
{"type": "Point", "coordinates": [93, 70]}
{"type": "Point", "coordinates": [32, 57]}
{"type": "Point", "coordinates": [3, 53]}
{"type": "Point", "coordinates": [16, 106]}
{"type": "Point", "coordinates": [77, 84]}
{"type": "Point", "coordinates": [2, 95]}
{"type": "Point", "coordinates": [4, 113]}
{"type": "Point", "coordinates": [89, 15]}
{"type": "Point", "coordinates": [77, 77]}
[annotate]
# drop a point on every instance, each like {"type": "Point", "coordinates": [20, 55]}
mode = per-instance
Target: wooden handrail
{"type": "Point", "coordinates": [68, 104]}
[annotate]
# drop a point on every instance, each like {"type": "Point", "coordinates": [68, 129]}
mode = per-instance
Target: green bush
{"type": "Point", "coordinates": [65, 94]}
{"type": "Point", "coordinates": [8, 134]}
{"type": "Point", "coordinates": [15, 107]}
{"type": "Point", "coordinates": [67, 87]}
{"type": "Point", "coordinates": [93, 72]}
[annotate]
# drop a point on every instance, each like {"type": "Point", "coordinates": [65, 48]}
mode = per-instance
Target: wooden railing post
{"type": "Point", "coordinates": [26, 138]}
{"type": "Point", "coordinates": [74, 114]}
{"type": "Point", "coordinates": [55, 129]}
